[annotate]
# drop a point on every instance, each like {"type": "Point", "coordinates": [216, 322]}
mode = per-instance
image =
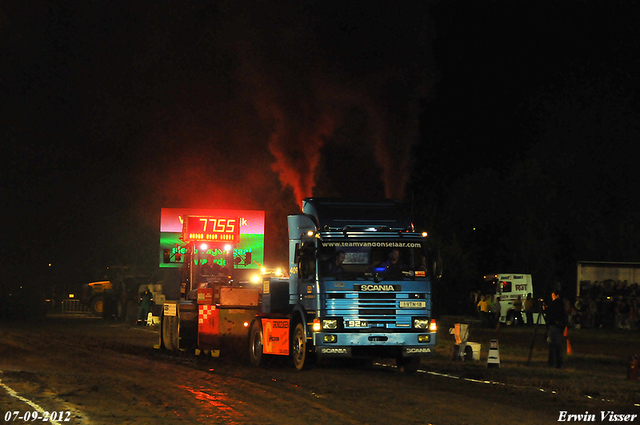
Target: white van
{"type": "Point", "coordinates": [510, 286]}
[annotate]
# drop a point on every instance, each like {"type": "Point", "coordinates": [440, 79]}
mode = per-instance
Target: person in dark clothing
{"type": "Point", "coordinates": [394, 264]}
{"type": "Point", "coordinates": [528, 309]}
{"type": "Point", "coordinates": [556, 319]}
{"type": "Point", "coordinates": [146, 301]}
{"type": "Point", "coordinates": [335, 266]}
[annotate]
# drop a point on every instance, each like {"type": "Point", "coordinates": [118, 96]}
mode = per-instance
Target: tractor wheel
{"type": "Point", "coordinates": [255, 343]}
{"type": "Point", "coordinates": [96, 307]}
{"type": "Point", "coordinates": [170, 332]}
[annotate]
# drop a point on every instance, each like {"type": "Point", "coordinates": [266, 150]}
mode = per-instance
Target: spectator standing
{"type": "Point", "coordinates": [496, 310]}
{"type": "Point", "coordinates": [485, 312]}
{"type": "Point", "coordinates": [146, 301]}
{"type": "Point", "coordinates": [556, 323]}
{"type": "Point", "coordinates": [517, 311]}
{"type": "Point", "coordinates": [528, 309]}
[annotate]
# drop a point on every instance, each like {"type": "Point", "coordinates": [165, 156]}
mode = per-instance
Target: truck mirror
{"type": "Point", "coordinates": [247, 258]}
{"type": "Point", "coordinates": [434, 263]}
{"type": "Point", "coordinates": [166, 256]}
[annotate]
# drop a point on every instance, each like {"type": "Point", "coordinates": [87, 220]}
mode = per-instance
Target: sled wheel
{"type": "Point", "coordinates": [255, 343]}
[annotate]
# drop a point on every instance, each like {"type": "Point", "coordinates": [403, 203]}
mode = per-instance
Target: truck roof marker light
{"type": "Point", "coordinates": [424, 234]}
{"type": "Point", "coordinates": [203, 247]}
{"type": "Point", "coordinates": [433, 327]}
{"type": "Point", "coordinates": [227, 247]}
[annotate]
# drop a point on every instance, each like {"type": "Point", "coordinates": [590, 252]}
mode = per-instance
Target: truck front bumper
{"type": "Point", "coordinates": [374, 344]}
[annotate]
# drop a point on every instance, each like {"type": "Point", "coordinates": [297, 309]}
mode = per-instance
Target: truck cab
{"type": "Point", "coordinates": [375, 303]}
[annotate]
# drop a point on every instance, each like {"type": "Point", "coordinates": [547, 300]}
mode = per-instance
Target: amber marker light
{"type": "Point", "coordinates": [433, 327]}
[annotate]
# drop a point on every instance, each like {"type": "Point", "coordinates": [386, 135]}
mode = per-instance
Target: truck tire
{"type": "Point", "coordinates": [407, 364]}
{"type": "Point", "coordinates": [255, 343]}
{"type": "Point", "coordinates": [96, 306]}
{"type": "Point", "coordinates": [298, 348]}
{"type": "Point", "coordinates": [171, 332]}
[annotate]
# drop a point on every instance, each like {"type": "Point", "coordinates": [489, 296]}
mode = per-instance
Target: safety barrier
{"type": "Point", "coordinates": [72, 306]}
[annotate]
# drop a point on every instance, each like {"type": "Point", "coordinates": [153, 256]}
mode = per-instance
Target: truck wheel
{"type": "Point", "coordinates": [255, 343]}
{"type": "Point", "coordinates": [170, 332]}
{"type": "Point", "coordinates": [299, 347]}
{"type": "Point", "coordinates": [408, 364]}
{"type": "Point", "coordinates": [96, 307]}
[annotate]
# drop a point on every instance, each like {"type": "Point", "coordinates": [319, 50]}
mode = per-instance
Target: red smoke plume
{"type": "Point", "coordinates": [297, 154]}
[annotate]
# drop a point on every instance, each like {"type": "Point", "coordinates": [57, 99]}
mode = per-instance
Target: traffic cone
{"type": "Point", "coordinates": [493, 359]}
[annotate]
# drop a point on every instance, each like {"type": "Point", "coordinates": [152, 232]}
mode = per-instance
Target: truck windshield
{"type": "Point", "coordinates": [366, 259]}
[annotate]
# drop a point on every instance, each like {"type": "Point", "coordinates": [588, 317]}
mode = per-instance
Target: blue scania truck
{"type": "Point", "coordinates": [359, 286]}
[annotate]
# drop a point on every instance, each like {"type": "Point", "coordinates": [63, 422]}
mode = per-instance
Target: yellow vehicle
{"type": "Point", "coordinates": [94, 294]}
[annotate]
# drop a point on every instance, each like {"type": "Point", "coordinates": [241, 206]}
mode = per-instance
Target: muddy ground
{"type": "Point", "coordinates": [97, 372]}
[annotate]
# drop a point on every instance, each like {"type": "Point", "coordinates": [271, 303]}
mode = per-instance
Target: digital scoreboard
{"type": "Point", "coordinates": [211, 229]}
{"type": "Point", "coordinates": [244, 229]}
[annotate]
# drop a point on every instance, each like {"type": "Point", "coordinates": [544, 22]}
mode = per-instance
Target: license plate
{"type": "Point", "coordinates": [413, 304]}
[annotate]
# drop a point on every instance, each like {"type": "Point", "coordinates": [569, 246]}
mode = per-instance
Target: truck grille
{"type": "Point", "coordinates": [377, 308]}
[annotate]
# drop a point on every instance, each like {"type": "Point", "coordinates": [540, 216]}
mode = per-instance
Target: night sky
{"type": "Point", "coordinates": [510, 127]}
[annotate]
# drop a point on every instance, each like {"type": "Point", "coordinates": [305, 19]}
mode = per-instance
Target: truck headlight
{"type": "Point", "coordinates": [421, 323]}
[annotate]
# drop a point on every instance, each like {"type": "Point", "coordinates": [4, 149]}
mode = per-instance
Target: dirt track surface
{"type": "Point", "coordinates": [108, 373]}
